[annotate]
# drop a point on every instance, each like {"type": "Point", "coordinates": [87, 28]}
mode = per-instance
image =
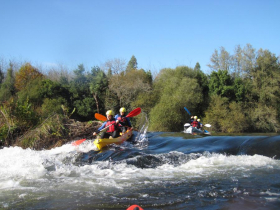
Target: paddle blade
{"type": "Point", "coordinates": [100, 117]}
{"type": "Point", "coordinates": [187, 110]}
{"type": "Point", "coordinates": [134, 112]}
{"type": "Point", "coordinates": [76, 143]}
{"type": "Point", "coordinates": [207, 125]}
{"type": "Point", "coordinates": [134, 207]}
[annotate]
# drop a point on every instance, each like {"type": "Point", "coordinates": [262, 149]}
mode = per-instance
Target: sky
{"type": "Point", "coordinates": [159, 33]}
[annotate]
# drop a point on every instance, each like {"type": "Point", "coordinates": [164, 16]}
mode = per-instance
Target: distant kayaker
{"type": "Point", "coordinates": [191, 120]}
{"type": "Point", "coordinates": [194, 122]}
{"type": "Point", "coordinates": [199, 126]}
{"type": "Point", "coordinates": [123, 120]}
{"type": "Point", "coordinates": [112, 124]}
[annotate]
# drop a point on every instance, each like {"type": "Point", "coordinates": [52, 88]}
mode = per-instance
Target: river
{"type": "Point", "coordinates": [157, 170]}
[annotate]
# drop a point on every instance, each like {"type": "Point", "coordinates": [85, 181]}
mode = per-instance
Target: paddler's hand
{"type": "Point", "coordinates": [94, 134]}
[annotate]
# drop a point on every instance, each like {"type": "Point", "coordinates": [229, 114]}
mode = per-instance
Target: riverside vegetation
{"type": "Point", "coordinates": [46, 108]}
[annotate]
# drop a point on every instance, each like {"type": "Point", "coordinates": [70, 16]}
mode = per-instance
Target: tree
{"type": "Point", "coordinates": [25, 75]}
{"type": "Point", "coordinates": [223, 115]}
{"type": "Point", "coordinates": [221, 83]}
{"type": "Point", "coordinates": [132, 64]}
{"type": "Point", "coordinates": [168, 114]}
{"type": "Point", "coordinates": [220, 60]}
{"type": "Point", "coordinates": [98, 84]}
{"type": "Point", "coordinates": [197, 67]}
{"type": "Point", "coordinates": [174, 88]}
{"type": "Point", "coordinates": [115, 66]}
{"type": "Point", "coordinates": [128, 86]}
{"type": "Point", "coordinates": [7, 88]}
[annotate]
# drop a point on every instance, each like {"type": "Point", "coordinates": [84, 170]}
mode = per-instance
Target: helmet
{"type": "Point", "coordinates": [109, 112]}
{"type": "Point", "coordinates": [195, 117]}
{"type": "Point", "coordinates": [122, 109]}
{"type": "Point", "coordinates": [198, 120]}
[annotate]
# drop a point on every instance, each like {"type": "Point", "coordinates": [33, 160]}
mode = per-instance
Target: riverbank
{"type": "Point", "coordinates": [52, 133]}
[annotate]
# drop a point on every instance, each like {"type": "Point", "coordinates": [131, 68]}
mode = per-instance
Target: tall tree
{"type": "Point", "coordinates": [197, 67]}
{"type": "Point", "coordinates": [220, 60]}
{"type": "Point", "coordinates": [98, 84]}
{"type": "Point", "coordinates": [175, 88]}
{"type": "Point", "coordinates": [132, 64]}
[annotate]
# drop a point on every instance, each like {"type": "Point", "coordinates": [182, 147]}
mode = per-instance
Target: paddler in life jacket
{"type": "Point", "coordinates": [194, 123]}
{"type": "Point", "coordinates": [113, 129]}
{"type": "Point", "coordinates": [199, 126]}
{"type": "Point", "coordinates": [123, 120]}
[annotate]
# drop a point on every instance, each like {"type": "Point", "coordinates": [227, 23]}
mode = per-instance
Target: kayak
{"type": "Point", "coordinates": [194, 131]}
{"type": "Point", "coordinates": [100, 143]}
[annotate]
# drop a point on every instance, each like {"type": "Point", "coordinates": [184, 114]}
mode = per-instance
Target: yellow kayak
{"type": "Point", "coordinates": [100, 143]}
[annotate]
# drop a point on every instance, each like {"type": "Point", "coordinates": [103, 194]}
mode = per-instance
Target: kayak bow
{"type": "Point", "coordinates": [100, 143]}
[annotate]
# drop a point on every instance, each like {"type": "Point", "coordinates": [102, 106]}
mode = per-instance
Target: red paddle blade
{"type": "Point", "coordinates": [133, 207]}
{"type": "Point", "coordinates": [76, 143]}
{"type": "Point", "coordinates": [100, 117]}
{"type": "Point", "coordinates": [134, 112]}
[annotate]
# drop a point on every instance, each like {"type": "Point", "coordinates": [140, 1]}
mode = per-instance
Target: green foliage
{"type": "Point", "coordinates": [176, 92]}
{"type": "Point", "coordinates": [7, 89]}
{"type": "Point", "coordinates": [225, 116]}
{"type": "Point", "coordinates": [264, 119]}
{"type": "Point", "coordinates": [52, 105]}
{"type": "Point", "coordinates": [221, 84]}
{"type": "Point", "coordinates": [128, 86]}
{"type": "Point", "coordinates": [25, 114]}
{"type": "Point", "coordinates": [85, 107]}
{"type": "Point", "coordinates": [26, 74]}
{"type": "Point", "coordinates": [51, 129]}
{"type": "Point", "coordinates": [98, 84]}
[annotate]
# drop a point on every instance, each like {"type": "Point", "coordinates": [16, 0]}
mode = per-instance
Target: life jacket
{"type": "Point", "coordinates": [194, 124]}
{"type": "Point", "coordinates": [122, 120]}
{"type": "Point", "coordinates": [113, 127]}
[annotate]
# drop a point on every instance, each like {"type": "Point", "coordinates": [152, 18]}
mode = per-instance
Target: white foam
{"type": "Point", "coordinates": [58, 166]}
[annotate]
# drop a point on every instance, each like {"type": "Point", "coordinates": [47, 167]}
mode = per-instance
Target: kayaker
{"type": "Point", "coordinates": [123, 120]}
{"type": "Point", "coordinates": [199, 126]}
{"type": "Point", "coordinates": [194, 123]}
{"type": "Point", "coordinates": [191, 120]}
{"type": "Point", "coordinates": [112, 124]}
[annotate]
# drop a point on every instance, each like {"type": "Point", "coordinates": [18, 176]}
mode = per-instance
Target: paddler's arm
{"type": "Point", "coordinates": [128, 122]}
{"type": "Point", "coordinates": [100, 128]}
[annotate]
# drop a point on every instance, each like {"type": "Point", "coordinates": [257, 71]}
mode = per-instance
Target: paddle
{"type": "Point", "coordinates": [207, 125]}
{"type": "Point", "coordinates": [101, 117]}
{"type": "Point", "coordinates": [78, 142]}
{"type": "Point", "coordinates": [187, 110]}
{"type": "Point", "coordinates": [133, 113]}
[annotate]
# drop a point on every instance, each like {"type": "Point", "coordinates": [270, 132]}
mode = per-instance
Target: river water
{"type": "Point", "coordinates": [155, 171]}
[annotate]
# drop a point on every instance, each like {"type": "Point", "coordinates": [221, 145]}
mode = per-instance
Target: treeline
{"type": "Point", "coordinates": [241, 94]}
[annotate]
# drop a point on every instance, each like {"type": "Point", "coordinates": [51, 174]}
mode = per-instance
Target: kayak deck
{"type": "Point", "coordinates": [194, 131]}
{"type": "Point", "coordinates": [100, 143]}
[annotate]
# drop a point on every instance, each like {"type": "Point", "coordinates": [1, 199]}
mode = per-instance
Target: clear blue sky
{"type": "Point", "coordinates": [159, 33]}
